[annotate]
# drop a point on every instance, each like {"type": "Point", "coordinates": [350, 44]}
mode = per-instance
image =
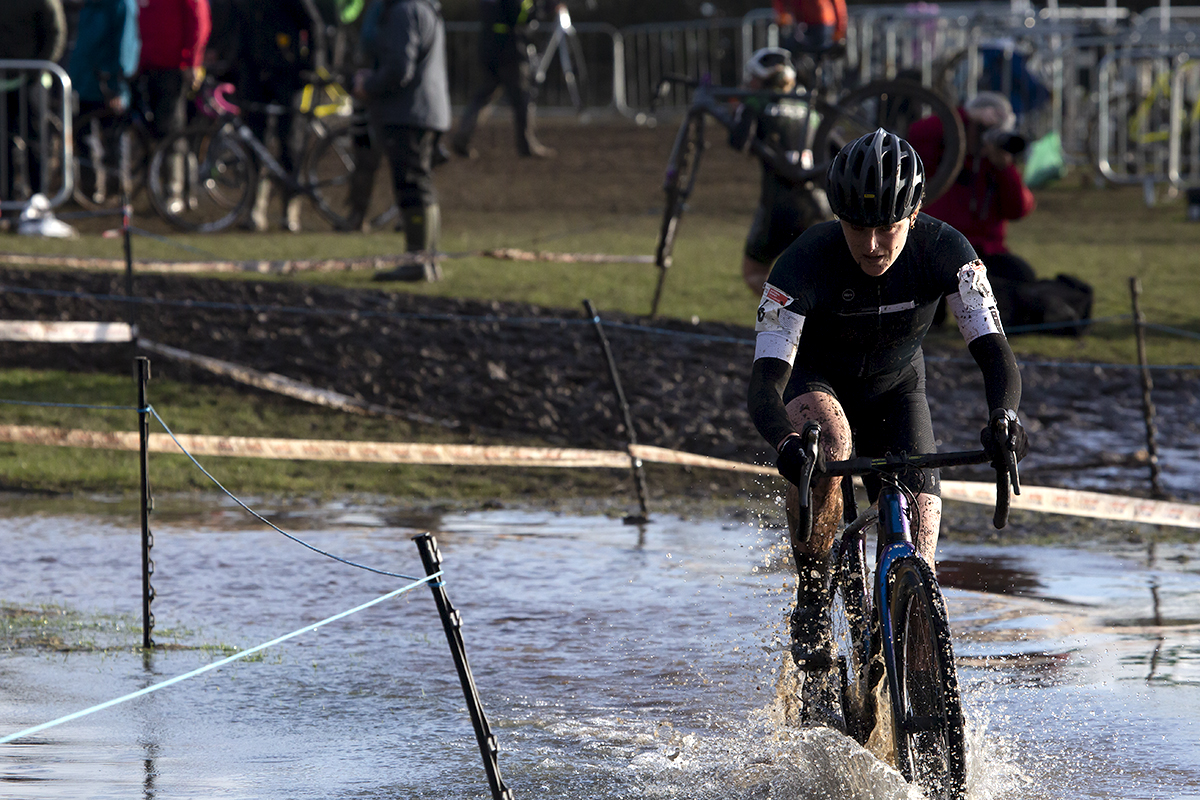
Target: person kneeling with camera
{"type": "Point", "coordinates": [989, 191]}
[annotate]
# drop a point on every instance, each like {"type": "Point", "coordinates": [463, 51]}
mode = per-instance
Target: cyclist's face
{"type": "Point", "coordinates": [876, 249]}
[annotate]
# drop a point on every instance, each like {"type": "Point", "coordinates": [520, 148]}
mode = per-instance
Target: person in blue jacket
{"type": "Point", "coordinates": [106, 53]}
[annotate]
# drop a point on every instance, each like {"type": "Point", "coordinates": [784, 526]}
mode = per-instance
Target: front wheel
{"type": "Point", "coordinates": [339, 168]}
{"type": "Point", "coordinates": [894, 106]}
{"type": "Point", "coordinates": [926, 708]}
{"type": "Point", "coordinates": [201, 180]}
{"type": "Point", "coordinates": [850, 614]}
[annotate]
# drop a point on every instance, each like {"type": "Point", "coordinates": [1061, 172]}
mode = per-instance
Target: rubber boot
{"type": "Point", "coordinates": [422, 227]}
{"type": "Point", "coordinates": [812, 631]}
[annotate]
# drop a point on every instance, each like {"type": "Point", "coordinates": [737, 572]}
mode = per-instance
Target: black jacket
{"type": "Point", "coordinates": [410, 85]}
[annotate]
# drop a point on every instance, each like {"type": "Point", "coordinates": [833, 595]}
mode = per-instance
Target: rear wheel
{"type": "Point", "coordinates": [926, 709]}
{"type": "Point", "coordinates": [201, 180]}
{"type": "Point", "coordinates": [894, 106]}
{"type": "Point", "coordinates": [329, 170]}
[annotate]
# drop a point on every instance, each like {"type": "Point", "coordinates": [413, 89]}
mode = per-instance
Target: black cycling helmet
{"type": "Point", "coordinates": [876, 180]}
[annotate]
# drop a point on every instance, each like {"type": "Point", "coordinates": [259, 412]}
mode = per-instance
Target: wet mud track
{"type": "Point", "coordinates": [523, 374]}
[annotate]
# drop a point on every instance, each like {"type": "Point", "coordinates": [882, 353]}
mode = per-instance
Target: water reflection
{"type": "Point", "coordinates": [612, 661]}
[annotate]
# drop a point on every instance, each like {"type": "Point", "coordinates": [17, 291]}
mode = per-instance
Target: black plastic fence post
{"type": "Point", "coordinates": [1148, 411]}
{"type": "Point", "coordinates": [127, 243]}
{"type": "Point", "coordinates": [431, 557]}
{"type": "Point", "coordinates": [147, 502]}
{"type": "Point", "coordinates": [635, 463]}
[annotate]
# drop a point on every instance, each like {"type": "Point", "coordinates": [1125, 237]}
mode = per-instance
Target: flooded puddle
{"type": "Point", "coordinates": [612, 662]}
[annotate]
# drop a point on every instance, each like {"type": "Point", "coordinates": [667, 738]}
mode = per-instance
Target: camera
{"type": "Point", "coordinates": [1007, 140]}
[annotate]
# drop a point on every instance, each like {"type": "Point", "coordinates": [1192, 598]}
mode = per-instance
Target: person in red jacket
{"type": "Point", "coordinates": [989, 191]}
{"type": "Point", "coordinates": [174, 36]}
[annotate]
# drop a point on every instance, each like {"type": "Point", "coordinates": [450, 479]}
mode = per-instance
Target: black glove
{"type": "Point", "coordinates": [1016, 435]}
{"type": "Point", "coordinates": [792, 461]}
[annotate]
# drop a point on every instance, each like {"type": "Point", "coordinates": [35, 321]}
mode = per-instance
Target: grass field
{"type": "Point", "coordinates": [1103, 235]}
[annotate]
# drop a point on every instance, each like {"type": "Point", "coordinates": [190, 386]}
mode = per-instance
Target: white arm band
{"type": "Point", "coordinates": [974, 305]}
{"type": "Point", "coordinates": [778, 329]}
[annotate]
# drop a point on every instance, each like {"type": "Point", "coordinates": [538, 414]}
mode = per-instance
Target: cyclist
{"type": "Point", "coordinates": [839, 337]}
{"type": "Point", "coordinates": [785, 208]}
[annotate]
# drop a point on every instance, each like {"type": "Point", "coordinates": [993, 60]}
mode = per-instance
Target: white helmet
{"type": "Point", "coordinates": [770, 65]}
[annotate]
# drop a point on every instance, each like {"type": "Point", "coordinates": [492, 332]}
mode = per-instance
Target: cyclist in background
{"type": "Point", "coordinates": [785, 208]}
{"type": "Point", "coordinates": [839, 336]}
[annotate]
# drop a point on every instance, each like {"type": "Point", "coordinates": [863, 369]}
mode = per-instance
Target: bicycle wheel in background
{"type": "Point", "coordinates": [108, 161]}
{"type": "Point", "coordinates": [894, 106]}
{"type": "Point", "coordinates": [926, 709]}
{"type": "Point", "coordinates": [850, 614]}
{"type": "Point", "coordinates": [678, 184]}
{"type": "Point", "coordinates": [328, 169]}
{"type": "Point", "coordinates": [201, 180]}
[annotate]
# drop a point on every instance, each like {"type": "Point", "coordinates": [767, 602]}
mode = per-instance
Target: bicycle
{"type": "Point", "coordinates": [889, 104]}
{"type": "Point", "coordinates": [563, 41]}
{"type": "Point", "coordinates": [897, 630]}
{"type": "Point", "coordinates": [204, 178]}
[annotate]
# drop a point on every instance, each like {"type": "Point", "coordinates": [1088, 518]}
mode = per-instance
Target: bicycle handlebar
{"type": "Point", "coordinates": [1007, 475]}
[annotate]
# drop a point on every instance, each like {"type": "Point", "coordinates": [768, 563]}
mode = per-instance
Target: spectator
{"type": "Point", "coordinates": [811, 26]}
{"type": "Point", "coordinates": [273, 52]}
{"type": "Point", "coordinates": [174, 36]}
{"type": "Point", "coordinates": [408, 100]}
{"type": "Point", "coordinates": [786, 208]}
{"type": "Point", "coordinates": [36, 30]}
{"type": "Point", "coordinates": [106, 53]}
{"type": "Point", "coordinates": [504, 56]}
{"type": "Point", "coordinates": [989, 190]}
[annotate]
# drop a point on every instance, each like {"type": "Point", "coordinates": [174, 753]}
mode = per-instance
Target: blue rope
{"type": "Point", "coordinates": [173, 243]}
{"type": "Point", "coordinates": [69, 405]}
{"type": "Point", "coordinates": [263, 519]}
{"type": "Point", "coordinates": [208, 667]}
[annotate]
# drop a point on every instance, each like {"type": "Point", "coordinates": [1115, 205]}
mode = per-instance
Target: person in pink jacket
{"type": "Point", "coordinates": [174, 36]}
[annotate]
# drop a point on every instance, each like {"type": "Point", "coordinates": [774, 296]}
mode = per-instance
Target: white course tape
{"type": "Point", "coordinates": [64, 332]}
{"type": "Point", "coordinates": [372, 452]}
{"type": "Point", "coordinates": [1080, 504]}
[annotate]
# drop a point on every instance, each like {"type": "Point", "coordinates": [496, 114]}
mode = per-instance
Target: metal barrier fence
{"type": "Point", "coordinates": [35, 133]}
{"type": "Point", "coordinates": [1101, 77]}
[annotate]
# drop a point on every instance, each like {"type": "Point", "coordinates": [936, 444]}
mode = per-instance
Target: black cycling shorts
{"type": "Point", "coordinates": [888, 414]}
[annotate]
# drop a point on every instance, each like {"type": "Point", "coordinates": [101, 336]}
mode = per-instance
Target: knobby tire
{"type": "Point", "coordinates": [926, 707]}
{"type": "Point", "coordinates": [894, 105]}
{"type": "Point", "coordinates": [327, 169]}
{"type": "Point", "coordinates": [201, 180]}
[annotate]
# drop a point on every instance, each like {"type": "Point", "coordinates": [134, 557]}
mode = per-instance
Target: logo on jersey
{"type": "Point", "coordinates": [848, 295]}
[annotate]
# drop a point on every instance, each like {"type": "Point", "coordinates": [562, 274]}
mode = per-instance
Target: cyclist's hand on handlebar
{"type": "Point", "coordinates": [792, 460]}
{"type": "Point", "coordinates": [1018, 440]}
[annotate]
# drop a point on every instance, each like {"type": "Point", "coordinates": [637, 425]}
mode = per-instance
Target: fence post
{"type": "Point", "coordinates": [635, 463]}
{"type": "Point", "coordinates": [431, 558]}
{"type": "Point", "coordinates": [1139, 327]}
{"type": "Point", "coordinates": [146, 501]}
{"type": "Point", "coordinates": [127, 244]}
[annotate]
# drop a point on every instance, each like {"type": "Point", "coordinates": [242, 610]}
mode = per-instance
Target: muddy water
{"type": "Point", "coordinates": [612, 662]}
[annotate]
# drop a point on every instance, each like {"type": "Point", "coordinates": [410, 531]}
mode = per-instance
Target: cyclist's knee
{"type": "Point", "coordinates": [823, 408]}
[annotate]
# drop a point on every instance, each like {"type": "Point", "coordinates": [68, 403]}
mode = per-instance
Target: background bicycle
{"type": "Point", "coordinates": [204, 178]}
{"type": "Point", "coordinates": [893, 105]}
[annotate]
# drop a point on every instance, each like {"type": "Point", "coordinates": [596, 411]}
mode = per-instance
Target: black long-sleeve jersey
{"type": "Point", "coordinates": [821, 313]}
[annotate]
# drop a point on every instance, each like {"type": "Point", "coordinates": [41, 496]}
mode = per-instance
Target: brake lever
{"type": "Point", "coordinates": [811, 436]}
